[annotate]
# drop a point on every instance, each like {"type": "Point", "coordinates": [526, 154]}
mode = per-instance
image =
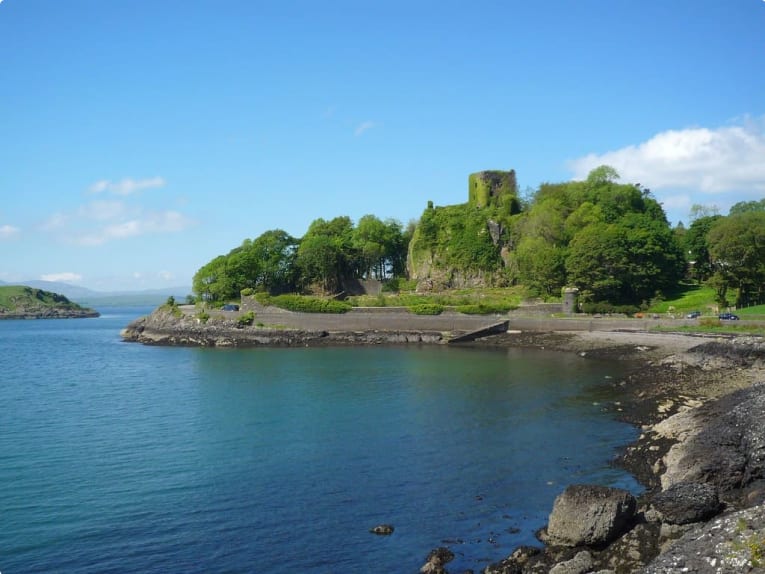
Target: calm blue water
{"type": "Point", "coordinates": [115, 457]}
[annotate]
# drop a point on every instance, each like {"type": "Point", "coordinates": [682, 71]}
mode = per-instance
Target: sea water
{"type": "Point", "coordinates": [117, 457]}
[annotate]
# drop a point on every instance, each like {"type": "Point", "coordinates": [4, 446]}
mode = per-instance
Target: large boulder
{"type": "Point", "coordinates": [590, 515]}
{"type": "Point", "coordinates": [687, 502]}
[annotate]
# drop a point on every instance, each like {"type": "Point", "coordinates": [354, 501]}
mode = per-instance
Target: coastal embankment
{"type": "Point", "coordinates": [699, 401]}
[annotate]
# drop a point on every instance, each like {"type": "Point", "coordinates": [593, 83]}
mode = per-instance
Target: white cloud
{"type": "Point", "coordinates": [166, 275]}
{"type": "Point", "coordinates": [102, 210]}
{"type": "Point", "coordinates": [155, 222]}
{"type": "Point", "coordinates": [364, 126]}
{"type": "Point", "coordinates": [8, 232]}
{"type": "Point", "coordinates": [126, 186]}
{"type": "Point", "coordinates": [712, 161]}
{"type": "Point", "coordinates": [67, 277]}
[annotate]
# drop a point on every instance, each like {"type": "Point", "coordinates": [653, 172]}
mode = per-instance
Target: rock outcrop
{"type": "Point", "coordinates": [590, 515]}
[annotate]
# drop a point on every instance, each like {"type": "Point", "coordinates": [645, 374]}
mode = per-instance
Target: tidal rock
{"type": "Point", "coordinates": [579, 564]}
{"type": "Point", "coordinates": [687, 502]}
{"type": "Point", "coordinates": [590, 515]}
{"type": "Point", "coordinates": [728, 544]}
{"type": "Point", "coordinates": [723, 443]}
{"type": "Point", "coordinates": [514, 563]}
{"type": "Point", "coordinates": [434, 563]}
{"type": "Point", "coordinates": [382, 529]}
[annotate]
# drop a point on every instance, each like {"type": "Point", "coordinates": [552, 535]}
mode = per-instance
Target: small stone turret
{"type": "Point", "coordinates": [489, 187]}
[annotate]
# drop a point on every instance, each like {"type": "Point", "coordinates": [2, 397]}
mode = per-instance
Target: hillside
{"type": "Point", "coordinates": [22, 302]}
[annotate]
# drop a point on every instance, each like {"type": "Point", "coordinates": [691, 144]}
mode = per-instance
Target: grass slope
{"type": "Point", "coordinates": [22, 299]}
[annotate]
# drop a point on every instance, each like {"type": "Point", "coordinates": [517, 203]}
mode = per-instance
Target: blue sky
{"type": "Point", "coordinates": [139, 139]}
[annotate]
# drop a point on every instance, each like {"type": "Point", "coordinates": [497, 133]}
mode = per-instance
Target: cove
{"type": "Point", "coordinates": [120, 457]}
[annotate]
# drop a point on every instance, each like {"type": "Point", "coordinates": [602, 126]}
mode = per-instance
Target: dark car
{"type": "Point", "coordinates": [231, 307]}
{"type": "Point", "coordinates": [693, 315]}
{"type": "Point", "coordinates": [728, 317]}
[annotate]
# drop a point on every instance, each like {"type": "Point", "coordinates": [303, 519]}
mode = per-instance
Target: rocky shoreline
{"type": "Point", "coordinates": [52, 313]}
{"type": "Point", "coordinates": [700, 403]}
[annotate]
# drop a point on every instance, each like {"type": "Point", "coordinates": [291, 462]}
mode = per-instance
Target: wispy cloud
{"type": "Point", "coordinates": [101, 221]}
{"type": "Point", "coordinates": [126, 186]}
{"type": "Point", "coordinates": [691, 165]}
{"type": "Point", "coordinates": [166, 275]}
{"type": "Point", "coordinates": [364, 126]}
{"type": "Point", "coordinates": [66, 277]}
{"type": "Point", "coordinates": [147, 223]}
{"type": "Point", "coordinates": [8, 232]}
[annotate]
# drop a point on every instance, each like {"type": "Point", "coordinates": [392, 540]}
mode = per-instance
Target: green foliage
{"type": "Point", "coordinates": [485, 308]}
{"type": "Point", "coordinates": [684, 299]}
{"type": "Point", "coordinates": [191, 300]}
{"type": "Point", "coordinates": [457, 237]}
{"type": "Point", "coordinates": [752, 544]}
{"type": "Point", "coordinates": [605, 308]}
{"type": "Point", "coordinates": [737, 249]}
{"type": "Point", "coordinates": [245, 319]}
{"type": "Point", "coordinates": [171, 306]}
{"type": "Point", "coordinates": [247, 292]}
{"type": "Point", "coordinates": [303, 304]}
{"type": "Point", "coordinates": [497, 188]}
{"type": "Point", "coordinates": [19, 297]}
{"type": "Point", "coordinates": [426, 309]}
{"type": "Point", "coordinates": [203, 316]}
{"type": "Point", "coordinates": [267, 263]}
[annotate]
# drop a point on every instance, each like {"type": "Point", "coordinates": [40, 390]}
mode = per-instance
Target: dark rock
{"type": "Point", "coordinates": [579, 564]}
{"type": "Point", "coordinates": [728, 544]}
{"type": "Point", "coordinates": [514, 563]}
{"type": "Point", "coordinates": [590, 515]}
{"type": "Point", "coordinates": [727, 446]}
{"type": "Point", "coordinates": [434, 563]}
{"type": "Point", "coordinates": [382, 529]}
{"type": "Point", "coordinates": [687, 502]}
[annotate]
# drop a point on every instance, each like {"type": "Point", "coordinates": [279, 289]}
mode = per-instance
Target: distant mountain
{"type": "Point", "coordinates": [90, 297]}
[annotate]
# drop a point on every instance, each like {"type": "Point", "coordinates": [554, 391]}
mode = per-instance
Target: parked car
{"type": "Point", "coordinates": [693, 315]}
{"type": "Point", "coordinates": [728, 317]}
{"type": "Point", "coordinates": [231, 307]}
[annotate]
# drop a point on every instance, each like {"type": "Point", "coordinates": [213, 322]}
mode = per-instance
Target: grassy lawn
{"type": "Point", "coordinates": [689, 298]}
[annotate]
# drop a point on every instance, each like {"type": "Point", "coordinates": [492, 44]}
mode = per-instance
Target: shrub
{"type": "Point", "coordinates": [246, 292]}
{"type": "Point", "coordinates": [426, 309]}
{"type": "Point", "coordinates": [606, 308]}
{"type": "Point", "coordinates": [245, 319]}
{"type": "Point", "coordinates": [709, 322]}
{"type": "Point", "coordinates": [485, 308]}
{"type": "Point", "coordinates": [203, 316]}
{"type": "Point", "coordinates": [302, 304]}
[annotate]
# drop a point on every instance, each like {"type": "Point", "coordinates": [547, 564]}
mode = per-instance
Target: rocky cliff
{"type": "Point", "coordinates": [462, 245]}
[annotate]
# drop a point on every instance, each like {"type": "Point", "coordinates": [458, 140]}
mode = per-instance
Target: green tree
{"type": "Point", "coordinates": [541, 265]}
{"type": "Point", "coordinates": [696, 245]}
{"type": "Point", "coordinates": [747, 207]}
{"type": "Point", "coordinates": [326, 253]}
{"type": "Point", "coordinates": [737, 249]}
{"type": "Point", "coordinates": [275, 252]}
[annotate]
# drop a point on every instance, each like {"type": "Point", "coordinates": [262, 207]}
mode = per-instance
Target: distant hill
{"type": "Point", "coordinates": [91, 297]}
{"type": "Point", "coordinates": [23, 302]}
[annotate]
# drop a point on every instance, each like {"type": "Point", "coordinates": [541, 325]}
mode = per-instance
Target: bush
{"type": "Point", "coordinates": [247, 292]}
{"type": "Point", "coordinates": [709, 322]}
{"type": "Point", "coordinates": [485, 308]}
{"type": "Point", "coordinates": [245, 319]}
{"type": "Point", "coordinates": [606, 308]}
{"type": "Point", "coordinates": [203, 316]}
{"type": "Point", "coordinates": [302, 304]}
{"type": "Point", "coordinates": [426, 309]}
